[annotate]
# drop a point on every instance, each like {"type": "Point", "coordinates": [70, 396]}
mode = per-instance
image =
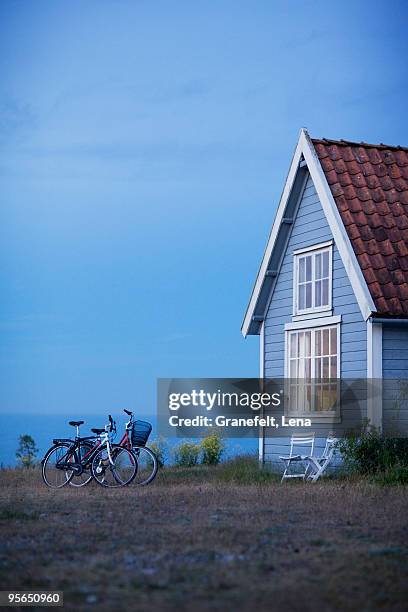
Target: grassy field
{"type": "Point", "coordinates": [205, 539]}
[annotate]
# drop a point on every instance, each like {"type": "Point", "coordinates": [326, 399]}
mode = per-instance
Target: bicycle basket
{"type": "Point", "coordinates": [140, 433]}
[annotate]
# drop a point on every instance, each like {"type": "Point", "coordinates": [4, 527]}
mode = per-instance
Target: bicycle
{"type": "Point", "coordinates": [135, 438]}
{"type": "Point", "coordinates": [109, 464]}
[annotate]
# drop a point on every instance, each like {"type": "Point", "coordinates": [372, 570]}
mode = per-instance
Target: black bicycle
{"type": "Point", "coordinates": [78, 461]}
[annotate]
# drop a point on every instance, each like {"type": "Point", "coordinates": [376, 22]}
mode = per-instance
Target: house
{"type": "Point", "coordinates": [331, 295]}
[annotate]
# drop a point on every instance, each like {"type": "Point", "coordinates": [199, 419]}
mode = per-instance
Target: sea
{"type": "Point", "coordinates": [44, 427]}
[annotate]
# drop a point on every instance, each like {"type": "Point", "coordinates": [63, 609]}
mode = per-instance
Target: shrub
{"type": "Point", "coordinates": [187, 454]}
{"type": "Point", "coordinates": [212, 449]}
{"type": "Point", "coordinates": [27, 451]}
{"type": "Point", "coordinates": [371, 453]}
{"type": "Point", "coordinates": [159, 447]}
{"type": "Point", "coordinates": [396, 475]}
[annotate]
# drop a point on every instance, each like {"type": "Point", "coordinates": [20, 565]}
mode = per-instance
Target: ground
{"type": "Point", "coordinates": [194, 539]}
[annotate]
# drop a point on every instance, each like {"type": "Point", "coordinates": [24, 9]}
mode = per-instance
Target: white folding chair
{"type": "Point", "coordinates": [298, 440]}
{"type": "Point", "coordinates": [318, 465]}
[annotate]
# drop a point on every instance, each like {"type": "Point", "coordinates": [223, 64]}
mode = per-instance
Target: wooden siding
{"type": "Point", "coordinates": [395, 379]}
{"type": "Point", "coordinates": [310, 228]}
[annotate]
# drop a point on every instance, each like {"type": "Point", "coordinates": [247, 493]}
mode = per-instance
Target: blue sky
{"type": "Point", "coordinates": [144, 146]}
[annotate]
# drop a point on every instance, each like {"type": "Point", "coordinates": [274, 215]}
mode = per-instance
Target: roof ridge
{"type": "Point", "coordinates": [353, 143]}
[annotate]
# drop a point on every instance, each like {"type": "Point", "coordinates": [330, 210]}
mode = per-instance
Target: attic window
{"type": "Point", "coordinates": [312, 279]}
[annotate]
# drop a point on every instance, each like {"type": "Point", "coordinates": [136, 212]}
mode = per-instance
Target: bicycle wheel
{"type": "Point", "coordinates": [147, 465]}
{"type": "Point", "coordinates": [54, 471]}
{"type": "Point", "coordinates": [116, 473]}
{"type": "Point", "coordinates": [80, 480]}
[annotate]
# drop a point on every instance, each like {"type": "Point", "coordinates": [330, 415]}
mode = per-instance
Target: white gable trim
{"type": "Point", "coordinates": [305, 147]}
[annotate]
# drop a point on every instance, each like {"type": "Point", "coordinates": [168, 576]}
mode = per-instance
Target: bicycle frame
{"type": "Point", "coordinates": [102, 440]}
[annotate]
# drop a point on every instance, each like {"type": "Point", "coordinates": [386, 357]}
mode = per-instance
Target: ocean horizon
{"type": "Point", "coordinates": [44, 427]}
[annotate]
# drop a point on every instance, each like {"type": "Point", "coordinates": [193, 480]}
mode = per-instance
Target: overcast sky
{"type": "Point", "coordinates": [144, 146]}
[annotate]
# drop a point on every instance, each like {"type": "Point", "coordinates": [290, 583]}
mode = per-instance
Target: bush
{"type": "Point", "coordinates": [370, 453]}
{"type": "Point", "coordinates": [159, 447]}
{"type": "Point", "coordinates": [27, 451]}
{"type": "Point", "coordinates": [187, 454]}
{"type": "Point", "coordinates": [212, 449]}
{"type": "Point", "coordinates": [396, 475]}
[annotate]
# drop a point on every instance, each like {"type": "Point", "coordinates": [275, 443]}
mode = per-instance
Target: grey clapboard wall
{"type": "Point", "coordinates": [310, 227]}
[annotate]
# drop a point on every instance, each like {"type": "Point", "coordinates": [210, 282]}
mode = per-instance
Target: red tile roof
{"type": "Point", "coordinates": [369, 184]}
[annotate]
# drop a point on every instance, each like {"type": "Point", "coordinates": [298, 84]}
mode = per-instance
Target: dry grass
{"type": "Point", "coordinates": [194, 540]}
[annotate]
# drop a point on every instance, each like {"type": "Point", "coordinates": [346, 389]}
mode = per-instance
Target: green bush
{"type": "Point", "coordinates": [159, 447]}
{"type": "Point", "coordinates": [187, 454]}
{"type": "Point", "coordinates": [370, 453]}
{"type": "Point", "coordinates": [212, 448]}
{"type": "Point", "coordinates": [396, 475]}
{"type": "Point", "coordinates": [27, 451]}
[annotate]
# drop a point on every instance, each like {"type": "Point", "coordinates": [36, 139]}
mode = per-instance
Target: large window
{"type": "Point", "coordinates": [313, 370]}
{"type": "Point", "coordinates": [313, 279]}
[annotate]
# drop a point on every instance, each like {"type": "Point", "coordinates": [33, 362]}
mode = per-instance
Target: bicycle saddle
{"type": "Point", "coordinates": [97, 431]}
{"type": "Point", "coordinates": [76, 423]}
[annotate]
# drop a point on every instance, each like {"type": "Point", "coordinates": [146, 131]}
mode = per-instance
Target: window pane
{"type": "Point", "coordinates": [318, 266]}
{"type": "Point", "coordinates": [301, 297]}
{"type": "Point", "coordinates": [307, 344]}
{"type": "Point", "coordinates": [318, 364]}
{"type": "Point", "coordinates": [326, 350]}
{"type": "Point", "coordinates": [325, 292]}
{"type": "Point", "coordinates": [293, 345]}
{"type": "Point", "coordinates": [308, 268]}
{"type": "Point", "coordinates": [326, 370]}
{"type": "Point", "coordinates": [293, 368]}
{"type": "Point", "coordinates": [318, 293]}
{"type": "Point", "coordinates": [308, 301]}
{"type": "Point", "coordinates": [318, 342]}
{"type": "Point", "coordinates": [325, 257]}
{"type": "Point", "coordinates": [302, 269]}
{"type": "Point", "coordinates": [308, 371]}
{"type": "Point", "coordinates": [333, 341]}
{"type": "Point", "coordinates": [333, 367]}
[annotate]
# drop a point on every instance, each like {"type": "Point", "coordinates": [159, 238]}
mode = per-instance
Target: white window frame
{"type": "Point", "coordinates": [315, 249]}
{"type": "Point", "coordinates": [312, 326]}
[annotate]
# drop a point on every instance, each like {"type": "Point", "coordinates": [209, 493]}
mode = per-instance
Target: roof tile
{"type": "Point", "coordinates": [368, 207]}
{"type": "Point", "coordinates": [367, 168]}
{"type": "Point", "coordinates": [381, 170]}
{"type": "Point", "coordinates": [361, 155]}
{"type": "Point", "coordinates": [402, 222]}
{"type": "Point", "coordinates": [374, 155]}
{"type": "Point", "coordinates": [373, 181]}
{"type": "Point", "coordinates": [369, 184]}
{"type": "Point", "coordinates": [353, 167]}
{"type": "Point", "coordinates": [336, 189]}
{"type": "Point", "coordinates": [388, 157]}
{"type": "Point", "coordinates": [349, 192]}
{"type": "Point", "coordinates": [401, 248]}
{"type": "Point", "coordinates": [327, 164]}
{"type": "Point", "coordinates": [364, 194]}
{"type": "Point", "coordinates": [340, 166]}
{"type": "Point", "coordinates": [386, 182]}
{"type": "Point", "coordinates": [401, 157]}
{"type": "Point", "coordinates": [333, 152]}
{"type": "Point", "coordinates": [392, 196]}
